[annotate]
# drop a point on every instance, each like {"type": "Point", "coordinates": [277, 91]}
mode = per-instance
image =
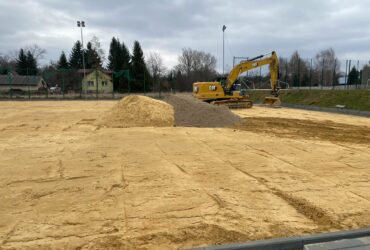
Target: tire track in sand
{"type": "Point", "coordinates": [267, 155]}
{"type": "Point", "coordinates": [217, 200]}
{"type": "Point", "coordinates": [316, 214]}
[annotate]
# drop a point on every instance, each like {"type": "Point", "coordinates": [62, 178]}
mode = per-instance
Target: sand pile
{"type": "Point", "coordinates": [190, 112]}
{"type": "Point", "coordinates": [139, 111]}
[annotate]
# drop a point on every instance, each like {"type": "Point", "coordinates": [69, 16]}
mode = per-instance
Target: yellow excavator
{"type": "Point", "coordinates": [230, 94]}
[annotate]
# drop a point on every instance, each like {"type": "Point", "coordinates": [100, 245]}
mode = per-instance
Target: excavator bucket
{"type": "Point", "coordinates": [272, 101]}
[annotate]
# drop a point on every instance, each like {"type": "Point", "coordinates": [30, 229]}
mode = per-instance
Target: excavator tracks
{"type": "Point", "coordinates": [234, 103]}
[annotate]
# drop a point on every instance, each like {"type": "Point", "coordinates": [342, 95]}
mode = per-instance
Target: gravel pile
{"type": "Point", "coordinates": [191, 112]}
{"type": "Point", "coordinates": [139, 111]}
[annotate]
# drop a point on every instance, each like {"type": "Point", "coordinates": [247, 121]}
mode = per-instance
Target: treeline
{"type": "Point", "coordinates": [130, 70]}
{"type": "Point", "coordinates": [322, 70]}
{"type": "Point", "coordinates": [193, 66]}
{"type": "Point", "coordinates": [119, 59]}
{"type": "Point", "coordinates": [23, 62]}
{"type": "Point", "coordinates": [67, 70]}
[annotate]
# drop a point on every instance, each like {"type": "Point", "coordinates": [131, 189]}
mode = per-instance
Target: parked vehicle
{"type": "Point", "coordinates": [55, 90]}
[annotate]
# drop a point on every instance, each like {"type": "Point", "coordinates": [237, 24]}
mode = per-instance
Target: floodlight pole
{"type": "Point", "coordinates": [83, 53]}
{"type": "Point", "coordinates": [223, 49]}
{"type": "Point", "coordinates": [81, 24]}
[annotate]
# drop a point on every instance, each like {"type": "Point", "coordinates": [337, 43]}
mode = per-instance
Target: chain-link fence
{"type": "Point", "coordinates": [326, 74]}
{"type": "Point", "coordinates": [296, 73]}
{"type": "Point", "coordinates": [315, 73]}
{"type": "Point", "coordinates": [78, 84]}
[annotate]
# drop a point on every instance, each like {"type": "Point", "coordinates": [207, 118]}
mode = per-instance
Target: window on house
{"type": "Point", "coordinates": [104, 83]}
{"type": "Point", "coordinates": [90, 83]}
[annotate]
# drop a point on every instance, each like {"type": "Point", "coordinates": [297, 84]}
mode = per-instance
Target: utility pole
{"type": "Point", "coordinates": [223, 49]}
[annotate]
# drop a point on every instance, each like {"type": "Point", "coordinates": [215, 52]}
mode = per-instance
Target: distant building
{"type": "Point", "coordinates": [342, 80]}
{"type": "Point", "coordinates": [100, 80]}
{"type": "Point", "coordinates": [21, 83]}
{"type": "Point", "coordinates": [365, 77]}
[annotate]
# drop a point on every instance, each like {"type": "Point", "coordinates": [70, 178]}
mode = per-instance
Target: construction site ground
{"type": "Point", "coordinates": [66, 183]}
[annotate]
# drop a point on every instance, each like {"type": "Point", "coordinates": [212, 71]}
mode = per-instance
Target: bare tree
{"type": "Point", "coordinates": [327, 67]}
{"type": "Point", "coordinates": [156, 68]}
{"type": "Point", "coordinates": [283, 69]}
{"type": "Point", "coordinates": [196, 61]}
{"type": "Point", "coordinates": [155, 63]}
{"type": "Point", "coordinates": [186, 61]}
{"type": "Point", "coordinates": [194, 66]}
{"type": "Point", "coordinates": [13, 54]}
{"type": "Point", "coordinates": [205, 62]}
{"type": "Point", "coordinates": [36, 51]}
{"type": "Point", "coordinates": [96, 45]}
{"type": "Point", "coordinates": [298, 70]}
{"type": "Point", "coordinates": [7, 63]}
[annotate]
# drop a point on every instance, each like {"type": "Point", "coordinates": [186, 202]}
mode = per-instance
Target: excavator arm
{"type": "Point", "coordinates": [256, 62]}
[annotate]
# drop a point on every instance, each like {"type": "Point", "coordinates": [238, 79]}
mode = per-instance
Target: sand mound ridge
{"type": "Point", "coordinates": [139, 111]}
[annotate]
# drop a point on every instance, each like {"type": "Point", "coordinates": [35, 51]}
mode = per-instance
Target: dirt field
{"type": "Point", "coordinates": [66, 183]}
{"type": "Point", "coordinates": [300, 124]}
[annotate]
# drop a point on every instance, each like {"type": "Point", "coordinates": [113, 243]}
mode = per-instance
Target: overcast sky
{"type": "Point", "coordinates": [253, 26]}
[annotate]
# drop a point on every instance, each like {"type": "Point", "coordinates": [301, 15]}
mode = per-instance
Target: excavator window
{"type": "Point", "coordinates": [222, 80]}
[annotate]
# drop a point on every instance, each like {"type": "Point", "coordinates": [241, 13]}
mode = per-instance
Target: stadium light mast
{"type": "Point", "coordinates": [81, 24]}
{"type": "Point", "coordinates": [223, 49]}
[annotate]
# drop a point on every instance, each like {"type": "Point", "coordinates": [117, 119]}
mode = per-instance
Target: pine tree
{"type": "Point", "coordinates": [92, 58]}
{"type": "Point", "coordinates": [62, 63]}
{"type": "Point", "coordinates": [119, 56]}
{"type": "Point", "coordinates": [31, 64]}
{"type": "Point", "coordinates": [354, 76]}
{"type": "Point", "coordinates": [138, 67]}
{"type": "Point", "coordinates": [126, 57]}
{"type": "Point", "coordinates": [75, 59]}
{"type": "Point", "coordinates": [114, 57]}
{"type": "Point", "coordinates": [119, 59]}
{"type": "Point", "coordinates": [114, 62]}
{"type": "Point", "coordinates": [21, 64]}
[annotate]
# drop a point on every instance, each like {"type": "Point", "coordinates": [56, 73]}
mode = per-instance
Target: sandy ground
{"type": "Point", "coordinates": [67, 184]}
{"type": "Point", "coordinates": [289, 113]}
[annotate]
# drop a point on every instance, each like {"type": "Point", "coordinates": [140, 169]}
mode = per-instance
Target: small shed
{"type": "Point", "coordinates": [97, 80]}
{"type": "Point", "coordinates": [21, 83]}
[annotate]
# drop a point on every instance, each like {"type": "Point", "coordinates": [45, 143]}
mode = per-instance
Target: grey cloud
{"type": "Point", "coordinates": [253, 27]}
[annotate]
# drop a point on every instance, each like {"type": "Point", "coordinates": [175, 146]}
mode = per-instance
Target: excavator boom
{"type": "Point", "coordinates": [256, 62]}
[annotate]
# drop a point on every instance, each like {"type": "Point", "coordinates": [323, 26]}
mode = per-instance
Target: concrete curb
{"type": "Point", "coordinates": [291, 243]}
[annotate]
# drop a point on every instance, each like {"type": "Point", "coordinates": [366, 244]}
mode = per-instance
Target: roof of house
{"type": "Point", "coordinates": [88, 71]}
{"type": "Point", "coordinates": [20, 80]}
